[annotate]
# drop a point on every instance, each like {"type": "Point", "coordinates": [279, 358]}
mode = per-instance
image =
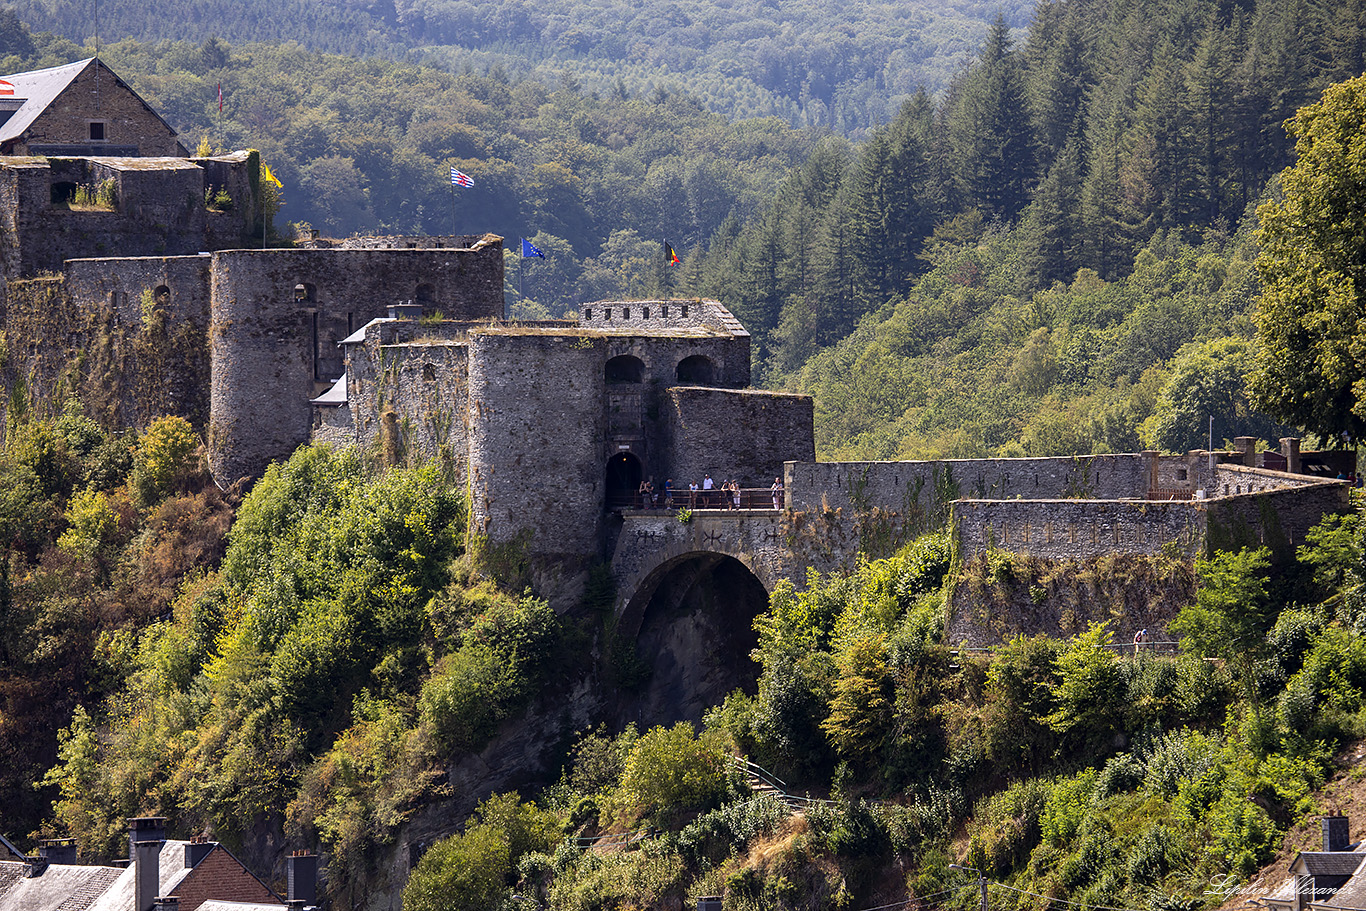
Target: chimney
{"type": "Point", "coordinates": [1290, 448]}
{"type": "Point", "coordinates": [196, 850]}
{"type": "Point", "coordinates": [145, 836]}
{"type": "Point", "coordinates": [58, 850]}
{"type": "Point", "coordinates": [145, 828]}
{"type": "Point", "coordinates": [302, 869]}
{"type": "Point", "coordinates": [1247, 446]}
{"type": "Point", "coordinates": [1337, 833]}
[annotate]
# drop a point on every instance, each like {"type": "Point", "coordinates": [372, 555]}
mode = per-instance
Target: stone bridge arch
{"type": "Point", "coordinates": [652, 547]}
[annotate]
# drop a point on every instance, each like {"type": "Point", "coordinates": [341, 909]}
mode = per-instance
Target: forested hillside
{"type": "Point", "coordinates": [838, 65]}
{"type": "Point", "coordinates": [1056, 254]}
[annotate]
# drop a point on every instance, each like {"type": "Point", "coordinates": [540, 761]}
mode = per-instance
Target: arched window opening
{"type": "Point", "coordinates": [161, 294]}
{"type": "Point", "coordinates": [625, 368]}
{"type": "Point", "coordinates": [623, 480]}
{"type": "Point", "coordinates": [697, 370]}
{"type": "Point", "coordinates": [63, 191]}
{"type": "Point", "coordinates": [305, 293]}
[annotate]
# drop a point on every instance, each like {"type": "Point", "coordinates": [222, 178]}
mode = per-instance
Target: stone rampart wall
{"type": "Point", "coordinates": [916, 490]}
{"type": "Point", "coordinates": [1073, 529]}
{"type": "Point", "coordinates": [160, 209]}
{"type": "Point", "coordinates": [1276, 518]}
{"type": "Point", "coordinates": [654, 316]}
{"type": "Point", "coordinates": [129, 358]}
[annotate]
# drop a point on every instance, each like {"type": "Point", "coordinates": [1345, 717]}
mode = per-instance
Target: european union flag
{"type": "Point", "coordinates": [529, 249]}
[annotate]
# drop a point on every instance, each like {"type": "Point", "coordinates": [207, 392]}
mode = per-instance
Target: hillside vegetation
{"type": "Point", "coordinates": [838, 65]}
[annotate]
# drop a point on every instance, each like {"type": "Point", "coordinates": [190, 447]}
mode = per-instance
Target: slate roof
{"type": "Point", "coordinates": [73, 887]}
{"type": "Point", "coordinates": [1327, 863]}
{"type": "Point", "coordinates": [1351, 895]}
{"type": "Point", "coordinates": [39, 88]}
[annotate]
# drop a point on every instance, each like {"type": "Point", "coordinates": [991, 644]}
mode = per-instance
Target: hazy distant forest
{"type": "Point", "coordinates": [1048, 251]}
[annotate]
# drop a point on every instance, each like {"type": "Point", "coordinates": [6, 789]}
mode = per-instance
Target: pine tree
{"type": "Point", "coordinates": [991, 133]}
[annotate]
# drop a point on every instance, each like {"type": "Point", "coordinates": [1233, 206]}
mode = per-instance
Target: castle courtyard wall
{"type": "Point", "coordinates": [1078, 529]}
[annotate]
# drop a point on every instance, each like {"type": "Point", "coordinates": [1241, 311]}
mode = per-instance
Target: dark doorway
{"type": "Point", "coordinates": [695, 637]}
{"type": "Point", "coordinates": [623, 480]}
{"type": "Point", "coordinates": [625, 369]}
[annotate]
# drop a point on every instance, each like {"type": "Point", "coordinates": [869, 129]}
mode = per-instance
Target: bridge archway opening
{"type": "Point", "coordinates": [623, 480]}
{"type": "Point", "coordinates": [693, 622]}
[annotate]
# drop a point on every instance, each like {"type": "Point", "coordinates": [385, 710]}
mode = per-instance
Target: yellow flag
{"type": "Point", "coordinates": [268, 177]}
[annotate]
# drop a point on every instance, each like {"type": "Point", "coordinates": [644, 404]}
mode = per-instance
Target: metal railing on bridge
{"type": "Point", "coordinates": [749, 498]}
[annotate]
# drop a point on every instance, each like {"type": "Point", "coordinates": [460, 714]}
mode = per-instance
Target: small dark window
{"type": "Point", "coordinates": [97, 131]}
{"type": "Point", "coordinates": [664, 312]}
{"type": "Point", "coordinates": [685, 309]}
{"type": "Point", "coordinates": [607, 314]}
{"type": "Point", "coordinates": [646, 314]}
{"type": "Point", "coordinates": [587, 314]}
{"type": "Point", "coordinates": [428, 372]}
{"type": "Point", "coordinates": [1181, 474]}
{"type": "Point", "coordinates": [625, 312]}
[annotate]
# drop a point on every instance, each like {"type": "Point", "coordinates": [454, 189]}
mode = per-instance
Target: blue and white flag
{"type": "Point", "coordinates": [530, 249]}
{"type": "Point", "coordinates": [460, 178]}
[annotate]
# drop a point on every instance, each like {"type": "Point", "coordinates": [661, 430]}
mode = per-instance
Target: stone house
{"type": "Point", "coordinates": [80, 109]}
{"type": "Point", "coordinates": [1329, 880]}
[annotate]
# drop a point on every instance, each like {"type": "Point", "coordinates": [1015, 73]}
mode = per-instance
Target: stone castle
{"type": "Point", "coordinates": [158, 299]}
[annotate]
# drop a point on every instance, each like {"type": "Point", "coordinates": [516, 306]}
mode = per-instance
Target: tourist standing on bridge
{"type": "Point", "coordinates": [777, 490]}
{"type": "Point", "coordinates": [707, 485]}
{"type": "Point", "coordinates": [669, 494]}
{"type": "Point", "coordinates": [735, 491]}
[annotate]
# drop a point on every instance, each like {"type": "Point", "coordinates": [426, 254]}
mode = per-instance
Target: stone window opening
{"type": "Point", "coordinates": [646, 314]}
{"type": "Point", "coordinates": [607, 314]}
{"type": "Point", "coordinates": [63, 191]}
{"type": "Point", "coordinates": [625, 312]}
{"type": "Point", "coordinates": [99, 131]}
{"type": "Point", "coordinates": [429, 372]}
{"type": "Point", "coordinates": [696, 370]}
{"type": "Point", "coordinates": [1181, 474]}
{"type": "Point", "coordinates": [161, 295]}
{"type": "Point", "coordinates": [305, 293]}
{"type": "Point", "coordinates": [587, 314]}
{"type": "Point", "coordinates": [685, 309]}
{"type": "Point", "coordinates": [664, 311]}
{"type": "Point", "coordinates": [425, 296]}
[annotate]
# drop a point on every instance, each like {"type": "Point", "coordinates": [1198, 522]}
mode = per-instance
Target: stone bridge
{"type": "Point", "coordinates": [1052, 508]}
{"type": "Point", "coordinates": [654, 546]}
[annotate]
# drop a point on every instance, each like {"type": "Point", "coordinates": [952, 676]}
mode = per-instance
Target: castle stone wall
{"type": "Point", "coordinates": [1277, 518]}
{"type": "Point", "coordinates": [537, 474]}
{"type": "Point", "coordinates": [912, 489]}
{"type": "Point", "coordinates": [160, 209]}
{"type": "Point", "coordinates": [274, 348]}
{"type": "Point", "coordinates": [1076, 529]}
{"type": "Point", "coordinates": [87, 335]}
{"type": "Point", "coordinates": [730, 433]}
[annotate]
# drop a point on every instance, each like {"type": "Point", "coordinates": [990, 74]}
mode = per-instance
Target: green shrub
{"type": "Point", "coordinates": [166, 454]}
{"type": "Point", "coordinates": [670, 771]}
{"type": "Point", "coordinates": [466, 872]}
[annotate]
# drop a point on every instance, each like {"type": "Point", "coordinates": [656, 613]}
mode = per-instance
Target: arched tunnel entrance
{"type": "Point", "coordinates": [693, 624]}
